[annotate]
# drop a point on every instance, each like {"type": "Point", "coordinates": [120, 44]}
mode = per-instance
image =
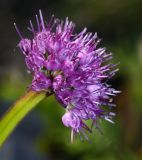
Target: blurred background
{"type": "Point", "coordinates": [41, 135]}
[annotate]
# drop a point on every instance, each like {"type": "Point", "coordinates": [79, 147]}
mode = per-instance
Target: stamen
{"type": "Point", "coordinates": [81, 138]}
{"type": "Point", "coordinates": [32, 27]}
{"type": "Point", "coordinates": [29, 29]}
{"type": "Point", "coordinates": [38, 25]}
{"type": "Point", "coordinates": [51, 21]}
{"type": "Point", "coordinates": [41, 19]}
{"type": "Point", "coordinates": [72, 136]}
{"type": "Point", "coordinates": [84, 134]}
{"type": "Point", "coordinates": [17, 30]}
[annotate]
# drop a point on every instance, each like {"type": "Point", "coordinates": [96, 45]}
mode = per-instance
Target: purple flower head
{"type": "Point", "coordinates": [73, 68]}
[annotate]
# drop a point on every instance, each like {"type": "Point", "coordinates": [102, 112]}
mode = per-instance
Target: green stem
{"type": "Point", "coordinates": [17, 112]}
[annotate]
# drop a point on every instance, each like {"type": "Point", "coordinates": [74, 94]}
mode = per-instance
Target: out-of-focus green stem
{"type": "Point", "coordinates": [17, 112]}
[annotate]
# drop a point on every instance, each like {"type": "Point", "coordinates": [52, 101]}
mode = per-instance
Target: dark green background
{"type": "Point", "coordinates": [41, 135]}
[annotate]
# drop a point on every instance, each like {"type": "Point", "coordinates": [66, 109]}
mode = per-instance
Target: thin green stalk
{"type": "Point", "coordinates": [17, 112]}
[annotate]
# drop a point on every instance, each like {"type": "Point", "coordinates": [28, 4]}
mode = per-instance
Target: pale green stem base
{"type": "Point", "coordinates": [17, 112]}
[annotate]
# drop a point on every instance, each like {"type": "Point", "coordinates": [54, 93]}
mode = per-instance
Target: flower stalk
{"type": "Point", "coordinates": [18, 111]}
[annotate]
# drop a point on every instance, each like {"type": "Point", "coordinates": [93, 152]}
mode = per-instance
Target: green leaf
{"type": "Point", "coordinates": [17, 112]}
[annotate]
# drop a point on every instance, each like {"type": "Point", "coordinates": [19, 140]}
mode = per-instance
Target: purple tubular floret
{"type": "Point", "coordinates": [74, 68]}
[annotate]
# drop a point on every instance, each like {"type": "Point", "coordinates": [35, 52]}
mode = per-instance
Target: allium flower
{"type": "Point", "coordinates": [73, 68]}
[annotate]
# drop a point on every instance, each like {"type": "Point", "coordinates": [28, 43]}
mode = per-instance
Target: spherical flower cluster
{"type": "Point", "coordinates": [73, 68]}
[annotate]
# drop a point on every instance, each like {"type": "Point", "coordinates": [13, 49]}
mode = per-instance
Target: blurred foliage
{"type": "Point", "coordinates": [119, 23]}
